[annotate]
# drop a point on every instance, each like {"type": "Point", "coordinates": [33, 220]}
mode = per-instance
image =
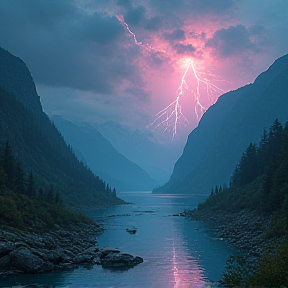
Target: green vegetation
{"type": "Point", "coordinates": [259, 183]}
{"type": "Point", "coordinates": [271, 272]}
{"type": "Point", "coordinates": [40, 148]}
{"type": "Point", "coordinates": [25, 204]}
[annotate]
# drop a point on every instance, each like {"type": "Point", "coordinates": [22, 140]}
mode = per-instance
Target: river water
{"type": "Point", "coordinates": [177, 252]}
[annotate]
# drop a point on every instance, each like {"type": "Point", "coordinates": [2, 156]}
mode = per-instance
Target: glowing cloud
{"type": "Point", "coordinates": [195, 81]}
{"type": "Point", "coordinates": [202, 86]}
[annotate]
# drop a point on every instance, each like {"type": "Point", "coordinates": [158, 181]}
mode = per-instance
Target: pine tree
{"type": "Point", "coordinates": [58, 199]}
{"type": "Point", "coordinates": [247, 169]}
{"type": "Point", "coordinates": [40, 193]}
{"type": "Point", "coordinates": [30, 191]}
{"type": "Point", "coordinates": [212, 192]}
{"type": "Point", "coordinates": [19, 179]}
{"type": "Point", "coordinates": [8, 165]}
{"type": "Point", "coordinates": [50, 194]}
{"type": "Point", "coordinates": [2, 179]}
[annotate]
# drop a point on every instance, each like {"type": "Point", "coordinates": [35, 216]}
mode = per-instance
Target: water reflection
{"type": "Point", "coordinates": [186, 269]}
{"type": "Point", "coordinates": [175, 249]}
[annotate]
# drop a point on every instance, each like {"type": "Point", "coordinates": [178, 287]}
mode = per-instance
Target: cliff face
{"type": "Point", "coordinates": [38, 144]}
{"type": "Point", "coordinates": [239, 117]}
{"type": "Point", "coordinates": [16, 79]}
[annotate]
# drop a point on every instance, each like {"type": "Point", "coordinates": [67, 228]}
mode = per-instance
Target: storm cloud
{"type": "Point", "coordinates": [80, 52]}
{"type": "Point", "coordinates": [232, 41]}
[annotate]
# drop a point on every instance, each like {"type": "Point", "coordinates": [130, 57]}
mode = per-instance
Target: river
{"type": "Point", "coordinates": [177, 252]}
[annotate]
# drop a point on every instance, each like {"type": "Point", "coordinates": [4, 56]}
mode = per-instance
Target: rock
{"type": "Point", "coordinates": [41, 251]}
{"type": "Point", "coordinates": [20, 244]}
{"type": "Point", "coordinates": [120, 260]}
{"type": "Point", "coordinates": [5, 262]}
{"type": "Point", "coordinates": [131, 231]}
{"type": "Point", "coordinates": [23, 260]}
{"type": "Point", "coordinates": [6, 248]}
{"type": "Point", "coordinates": [107, 250]}
{"type": "Point", "coordinates": [56, 257]}
{"type": "Point", "coordinates": [83, 258]}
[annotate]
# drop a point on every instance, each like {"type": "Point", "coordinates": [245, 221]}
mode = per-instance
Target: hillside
{"type": "Point", "coordinates": [238, 118]}
{"type": "Point", "coordinates": [36, 142]}
{"type": "Point", "coordinates": [102, 158]}
{"type": "Point", "coordinates": [143, 149]}
{"type": "Point", "coordinates": [252, 214]}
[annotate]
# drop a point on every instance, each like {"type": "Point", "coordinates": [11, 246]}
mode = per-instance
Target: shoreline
{"type": "Point", "coordinates": [28, 252]}
{"type": "Point", "coordinates": [245, 230]}
{"type": "Point", "coordinates": [23, 252]}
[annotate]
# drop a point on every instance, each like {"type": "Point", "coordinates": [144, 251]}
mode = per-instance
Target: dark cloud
{"type": "Point", "coordinates": [135, 15]}
{"type": "Point", "coordinates": [167, 5]}
{"type": "Point", "coordinates": [124, 3]}
{"type": "Point", "coordinates": [138, 92]}
{"type": "Point", "coordinates": [196, 35]}
{"type": "Point", "coordinates": [176, 35]}
{"type": "Point", "coordinates": [193, 7]}
{"type": "Point", "coordinates": [231, 41]}
{"type": "Point", "coordinates": [211, 6]}
{"type": "Point", "coordinates": [257, 30]}
{"type": "Point", "coordinates": [70, 50]}
{"type": "Point", "coordinates": [184, 49]}
{"type": "Point", "coordinates": [100, 28]}
{"type": "Point", "coordinates": [153, 24]}
{"type": "Point", "coordinates": [158, 60]}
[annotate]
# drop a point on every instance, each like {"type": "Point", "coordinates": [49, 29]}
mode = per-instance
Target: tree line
{"type": "Point", "coordinates": [259, 183]}
{"type": "Point", "coordinates": [26, 204]}
{"type": "Point", "coordinates": [13, 178]}
{"type": "Point", "coordinates": [41, 148]}
{"type": "Point", "coordinates": [266, 166]}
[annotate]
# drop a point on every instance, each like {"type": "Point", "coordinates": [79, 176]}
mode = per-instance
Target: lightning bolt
{"type": "Point", "coordinates": [136, 42]}
{"type": "Point", "coordinates": [121, 19]}
{"type": "Point", "coordinates": [210, 88]}
{"type": "Point", "coordinates": [172, 116]}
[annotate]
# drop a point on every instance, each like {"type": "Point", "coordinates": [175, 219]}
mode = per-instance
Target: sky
{"type": "Point", "coordinates": [125, 61]}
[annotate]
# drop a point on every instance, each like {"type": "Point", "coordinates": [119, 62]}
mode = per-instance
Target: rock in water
{"type": "Point", "coordinates": [131, 231]}
{"type": "Point", "coordinates": [120, 260]}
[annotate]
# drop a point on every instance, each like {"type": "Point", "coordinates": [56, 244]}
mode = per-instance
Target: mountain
{"type": "Point", "coordinates": [36, 142]}
{"type": "Point", "coordinates": [102, 158]}
{"type": "Point", "coordinates": [143, 149]}
{"type": "Point", "coordinates": [226, 129]}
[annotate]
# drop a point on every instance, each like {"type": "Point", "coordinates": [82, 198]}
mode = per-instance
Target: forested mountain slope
{"type": "Point", "coordinates": [103, 159]}
{"type": "Point", "coordinates": [36, 142]}
{"type": "Point", "coordinates": [238, 118]}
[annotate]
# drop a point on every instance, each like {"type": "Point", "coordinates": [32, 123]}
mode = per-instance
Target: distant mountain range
{"type": "Point", "coordinates": [102, 158]}
{"type": "Point", "coordinates": [36, 142]}
{"type": "Point", "coordinates": [226, 129]}
{"type": "Point", "coordinates": [143, 149]}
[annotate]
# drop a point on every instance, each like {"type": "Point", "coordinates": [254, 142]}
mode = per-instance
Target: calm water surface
{"type": "Point", "coordinates": [177, 252]}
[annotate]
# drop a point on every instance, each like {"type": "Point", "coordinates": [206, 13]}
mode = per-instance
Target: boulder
{"type": "Point", "coordinates": [120, 260]}
{"type": "Point", "coordinates": [131, 231]}
{"type": "Point", "coordinates": [83, 258]}
{"type": "Point", "coordinates": [4, 262]}
{"type": "Point", "coordinates": [6, 248]}
{"type": "Point", "coordinates": [23, 260]}
{"type": "Point", "coordinates": [107, 250]}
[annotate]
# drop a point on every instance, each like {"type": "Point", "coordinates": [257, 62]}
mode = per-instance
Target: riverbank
{"type": "Point", "coordinates": [244, 230]}
{"type": "Point", "coordinates": [33, 253]}
{"type": "Point", "coordinates": [37, 252]}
